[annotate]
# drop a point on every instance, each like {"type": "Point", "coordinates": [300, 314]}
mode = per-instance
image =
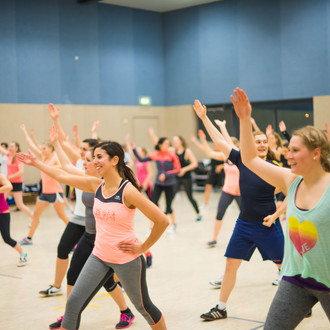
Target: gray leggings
{"type": "Point", "coordinates": [290, 305]}
{"type": "Point", "coordinates": [94, 274]}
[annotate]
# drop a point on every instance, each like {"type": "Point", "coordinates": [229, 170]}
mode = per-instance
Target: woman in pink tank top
{"type": "Point", "coordinates": [116, 248]}
{"type": "Point", "coordinates": [15, 170]}
{"type": "Point", "coordinates": [6, 186]}
{"type": "Point", "coordinates": [52, 192]}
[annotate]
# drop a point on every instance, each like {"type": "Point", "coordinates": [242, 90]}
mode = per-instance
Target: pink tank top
{"type": "Point", "coordinates": [231, 185]}
{"type": "Point", "coordinates": [141, 171]}
{"type": "Point", "coordinates": [114, 224]}
{"type": "Point", "coordinates": [50, 185]}
{"type": "Point", "coordinates": [3, 203]}
{"type": "Point", "coordinates": [13, 168]}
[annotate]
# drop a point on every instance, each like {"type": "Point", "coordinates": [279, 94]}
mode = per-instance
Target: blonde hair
{"type": "Point", "coordinates": [279, 141]}
{"type": "Point", "coordinates": [314, 138]}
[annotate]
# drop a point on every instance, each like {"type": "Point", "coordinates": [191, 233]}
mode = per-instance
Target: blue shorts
{"type": "Point", "coordinates": [247, 236]}
{"type": "Point", "coordinates": [51, 198]}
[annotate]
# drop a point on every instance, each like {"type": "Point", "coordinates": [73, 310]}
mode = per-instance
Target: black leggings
{"type": "Point", "coordinates": [169, 195]}
{"type": "Point", "coordinates": [5, 229]}
{"type": "Point", "coordinates": [79, 258]}
{"type": "Point", "coordinates": [70, 237]}
{"type": "Point", "coordinates": [187, 185]}
{"type": "Point", "coordinates": [224, 202]}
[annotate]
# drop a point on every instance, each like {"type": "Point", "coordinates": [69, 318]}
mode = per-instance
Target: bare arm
{"type": "Point", "coordinates": [94, 129]}
{"type": "Point", "coordinates": [5, 183]}
{"type": "Point", "coordinates": [274, 175]}
{"type": "Point", "coordinates": [192, 162]}
{"type": "Point", "coordinates": [3, 151]}
{"type": "Point", "coordinates": [215, 135]}
{"type": "Point", "coordinates": [35, 149]}
{"type": "Point", "coordinates": [210, 152]}
{"type": "Point", "coordinates": [34, 139]}
{"type": "Point", "coordinates": [254, 125]}
{"type": "Point", "coordinates": [85, 183]}
{"type": "Point", "coordinates": [270, 219]}
{"type": "Point", "coordinates": [153, 137]}
{"type": "Point", "coordinates": [76, 136]}
{"type": "Point", "coordinates": [133, 198]}
{"type": "Point", "coordinates": [62, 157]}
{"type": "Point", "coordinates": [224, 132]}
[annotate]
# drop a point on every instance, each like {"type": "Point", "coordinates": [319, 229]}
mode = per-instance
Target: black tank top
{"type": "Point", "coordinates": [183, 163]}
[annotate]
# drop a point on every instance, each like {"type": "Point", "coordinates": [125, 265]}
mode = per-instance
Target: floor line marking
{"type": "Point", "coordinates": [11, 276]}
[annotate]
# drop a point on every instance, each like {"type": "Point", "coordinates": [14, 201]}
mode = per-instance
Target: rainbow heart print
{"type": "Point", "coordinates": [303, 235]}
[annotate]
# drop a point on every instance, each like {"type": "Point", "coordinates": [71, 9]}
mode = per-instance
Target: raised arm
{"type": "Point", "coordinates": [86, 183]}
{"type": "Point", "coordinates": [153, 137]}
{"type": "Point", "coordinates": [283, 130]}
{"type": "Point", "coordinates": [274, 175]}
{"type": "Point", "coordinates": [206, 148]}
{"type": "Point", "coordinates": [134, 198]}
{"type": "Point", "coordinates": [34, 139]}
{"type": "Point", "coordinates": [76, 136]}
{"type": "Point", "coordinates": [62, 157]}
{"type": "Point", "coordinates": [67, 147]}
{"type": "Point", "coordinates": [254, 125]}
{"type": "Point", "coordinates": [224, 132]}
{"type": "Point", "coordinates": [5, 184]}
{"type": "Point", "coordinates": [30, 142]}
{"type": "Point", "coordinates": [215, 135]}
{"type": "Point", "coordinates": [94, 129]}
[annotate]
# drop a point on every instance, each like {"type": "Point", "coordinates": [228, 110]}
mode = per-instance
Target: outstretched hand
{"type": "Point", "coordinates": [241, 104]}
{"type": "Point", "coordinates": [193, 139]}
{"type": "Point", "coordinates": [28, 159]}
{"type": "Point", "coordinates": [220, 122]}
{"type": "Point", "coordinates": [53, 136]}
{"type": "Point", "coordinates": [282, 126]}
{"type": "Point", "coordinates": [201, 135]}
{"type": "Point", "coordinates": [53, 111]}
{"type": "Point", "coordinates": [75, 130]}
{"type": "Point", "coordinates": [269, 129]}
{"type": "Point", "coordinates": [22, 127]}
{"type": "Point", "coordinates": [200, 109]}
{"type": "Point", "coordinates": [95, 126]}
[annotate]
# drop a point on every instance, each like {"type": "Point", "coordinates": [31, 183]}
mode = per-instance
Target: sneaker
{"type": "Point", "coordinates": [309, 314]}
{"type": "Point", "coordinates": [26, 241]}
{"type": "Point", "coordinates": [217, 283]}
{"type": "Point", "coordinates": [215, 314]}
{"type": "Point", "coordinates": [211, 243]}
{"type": "Point", "coordinates": [199, 218]}
{"type": "Point", "coordinates": [51, 291]}
{"type": "Point", "coordinates": [23, 260]}
{"type": "Point", "coordinates": [171, 228]}
{"type": "Point", "coordinates": [149, 261]}
{"type": "Point", "coordinates": [277, 280]}
{"type": "Point", "coordinates": [57, 324]}
{"type": "Point", "coordinates": [125, 320]}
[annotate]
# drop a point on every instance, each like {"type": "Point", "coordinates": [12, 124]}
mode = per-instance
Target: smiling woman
{"type": "Point", "coordinates": [306, 269]}
{"type": "Point", "coordinates": [116, 247]}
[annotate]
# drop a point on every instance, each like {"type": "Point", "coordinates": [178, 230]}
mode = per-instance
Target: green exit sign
{"type": "Point", "coordinates": [144, 100]}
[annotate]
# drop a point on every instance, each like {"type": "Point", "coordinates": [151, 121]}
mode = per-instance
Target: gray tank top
{"type": "Point", "coordinates": [88, 200]}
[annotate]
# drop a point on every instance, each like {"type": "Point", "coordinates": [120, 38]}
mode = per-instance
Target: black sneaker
{"type": "Point", "coordinates": [309, 314]}
{"type": "Point", "coordinates": [126, 320]}
{"type": "Point", "coordinates": [57, 324]}
{"type": "Point", "coordinates": [215, 314]}
{"type": "Point", "coordinates": [149, 261]}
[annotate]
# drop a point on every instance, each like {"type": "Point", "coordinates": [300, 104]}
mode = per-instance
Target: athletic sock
{"type": "Point", "coordinates": [127, 310]}
{"type": "Point", "coordinates": [221, 305]}
{"type": "Point", "coordinates": [29, 237]}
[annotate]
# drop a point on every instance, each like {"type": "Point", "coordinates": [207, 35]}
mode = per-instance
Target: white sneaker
{"type": "Point", "coordinates": [277, 280]}
{"type": "Point", "coordinates": [217, 283]}
{"type": "Point", "coordinates": [23, 260]}
{"type": "Point", "coordinates": [51, 291]}
{"type": "Point", "coordinates": [171, 228]}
